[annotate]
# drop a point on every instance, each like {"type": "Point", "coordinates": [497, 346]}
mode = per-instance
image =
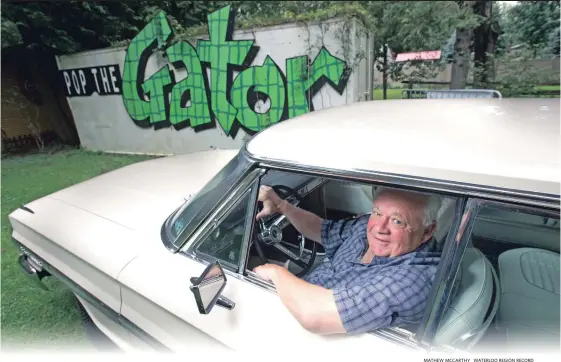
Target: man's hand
{"type": "Point", "coordinates": [267, 271]}
{"type": "Point", "coordinates": [271, 202]}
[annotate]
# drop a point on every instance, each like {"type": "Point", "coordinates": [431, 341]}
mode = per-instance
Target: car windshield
{"type": "Point", "coordinates": [184, 222]}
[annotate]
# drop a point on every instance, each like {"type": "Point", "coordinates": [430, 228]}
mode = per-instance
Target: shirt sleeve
{"type": "Point", "coordinates": [335, 232]}
{"type": "Point", "coordinates": [383, 301]}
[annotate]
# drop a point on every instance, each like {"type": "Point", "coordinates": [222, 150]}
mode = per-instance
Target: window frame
{"type": "Point", "coordinates": [465, 194]}
{"type": "Point", "coordinates": [404, 337]}
{"type": "Point", "coordinates": [248, 184]}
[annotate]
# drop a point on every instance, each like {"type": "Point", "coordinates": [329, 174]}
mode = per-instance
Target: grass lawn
{"type": "Point", "coordinates": [391, 94]}
{"type": "Point", "coordinates": [548, 87]}
{"type": "Point", "coordinates": [33, 317]}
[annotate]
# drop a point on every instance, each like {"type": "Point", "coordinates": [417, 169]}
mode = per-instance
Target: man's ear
{"type": "Point", "coordinates": [428, 232]}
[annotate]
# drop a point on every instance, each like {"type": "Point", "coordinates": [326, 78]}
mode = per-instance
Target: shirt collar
{"type": "Point", "coordinates": [425, 247]}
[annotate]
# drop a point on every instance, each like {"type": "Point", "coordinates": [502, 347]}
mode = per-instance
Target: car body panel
{"type": "Point", "coordinates": [501, 143]}
{"type": "Point", "coordinates": [88, 249]}
{"type": "Point", "coordinates": [157, 298]}
{"type": "Point", "coordinates": [140, 196]}
{"type": "Point", "coordinates": [112, 329]}
{"type": "Point", "coordinates": [86, 231]}
{"type": "Point", "coordinates": [104, 234]}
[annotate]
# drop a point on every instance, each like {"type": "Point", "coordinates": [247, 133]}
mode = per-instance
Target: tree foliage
{"type": "Point", "coordinates": [534, 24]}
{"type": "Point", "coordinates": [75, 25]}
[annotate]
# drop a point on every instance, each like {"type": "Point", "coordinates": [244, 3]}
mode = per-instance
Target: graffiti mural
{"type": "Point", "coordinates": [259, 96]}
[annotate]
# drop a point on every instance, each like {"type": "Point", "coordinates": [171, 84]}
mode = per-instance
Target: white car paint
{"type": "Point", "coordinates": [456, 140]}
{"type": "Point", "coordinates": [104, 233]}
{"type": "Point", "coordinates": [156, 297]}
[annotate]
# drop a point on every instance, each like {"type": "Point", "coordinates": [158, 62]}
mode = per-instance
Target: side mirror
{"type": "Point", "coordinates": [208, 286]}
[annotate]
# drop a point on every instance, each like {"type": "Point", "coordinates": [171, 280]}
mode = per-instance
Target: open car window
{"type": "Point", "coordinates": [334, 200]}
{"type": "Point", "coordinates": [508, 283]}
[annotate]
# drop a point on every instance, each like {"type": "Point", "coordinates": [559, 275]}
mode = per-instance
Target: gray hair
{"type": "Point", "coordinates": [432, 207]}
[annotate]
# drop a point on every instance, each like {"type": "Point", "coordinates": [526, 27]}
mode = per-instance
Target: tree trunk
{"type": "Point", "coordinates": [482, 39]}
{"type": "Point", "coordinates": [385, 72]}
{"type": "Point", "coordinates": [462, 55]}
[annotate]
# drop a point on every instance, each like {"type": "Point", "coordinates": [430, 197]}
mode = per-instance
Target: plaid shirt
{"type": "Point", "coordinates": [390, 291]}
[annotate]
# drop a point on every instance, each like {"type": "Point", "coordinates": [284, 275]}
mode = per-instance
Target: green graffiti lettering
{"type": "Point", "coordinates": [265, 79]}
{"type": "Point", "coordinates": [154, 86]}
{"type": "Point", "coordinates": [296, 85]}
{"type": "Point", "coordinates": [300, 79]}
{"type": "Point", "coordinates": [230, 100]}
{"type": "Point", "coordinates": [157, 31]}
{"type": "Point", "coordinates": [197, 112]}
{"type": "Point", "coordinates": [220, 51]}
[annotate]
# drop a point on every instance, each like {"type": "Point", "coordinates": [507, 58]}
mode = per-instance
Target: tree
{"type": "Point", "coordinates": [485, 37]}
{"type": "Point", "coordinates": [554, 43]}
{"type": "Point", "coordinates": [533, 24]}
{"type": "Point", "coordinates": [413, 26]}
{"type": "Point", "coordinates": [468, 20]}
{"type": "Point", "coordinates": [72, 26]}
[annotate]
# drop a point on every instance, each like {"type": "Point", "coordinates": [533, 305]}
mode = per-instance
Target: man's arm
{"type": "Point", "coordinates": [304, 221]}
{"type": "Point", "coordinates": [313, 306]}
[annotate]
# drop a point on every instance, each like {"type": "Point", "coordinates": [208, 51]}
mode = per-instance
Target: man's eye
{"type": "Point", "coordinates": [398, 222]}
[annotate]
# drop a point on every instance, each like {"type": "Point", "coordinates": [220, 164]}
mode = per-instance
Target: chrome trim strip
{"type": "Point", "coordinates": [220, 211]}
{"type": "Point", "coordinates": [96, 303]}
{"type": "Point", "coordinates": [249, 224]}
{"type": "Point", "coordinates": [454, 248]}
{"type": "Point", "coordinates": [465, 189]}
{"type": "Point", "coordinates": [183, 239]}
{"type": "Point", "coordinates": [398, 336]}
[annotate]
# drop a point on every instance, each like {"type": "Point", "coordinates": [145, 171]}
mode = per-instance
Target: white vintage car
{"type": "Point", "coordinates": [160, 253]}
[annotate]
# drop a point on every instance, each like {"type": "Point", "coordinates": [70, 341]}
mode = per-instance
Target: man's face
{"type": "Point", "coordinates": [396, 225]}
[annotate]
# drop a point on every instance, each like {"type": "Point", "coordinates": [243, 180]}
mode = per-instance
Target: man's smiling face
{"type": "Point", "coordinates": [395, 226]}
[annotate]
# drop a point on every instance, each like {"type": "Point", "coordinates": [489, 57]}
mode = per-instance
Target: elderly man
{"type": "Point", "coordinates": [378, 271]}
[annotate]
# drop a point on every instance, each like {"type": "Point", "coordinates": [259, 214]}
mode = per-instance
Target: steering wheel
{"type": "Point", "coordinates": [271, 236]}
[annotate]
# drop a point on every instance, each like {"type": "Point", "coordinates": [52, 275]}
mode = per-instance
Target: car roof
{"type": "Point", "coordinates": [501, 143]}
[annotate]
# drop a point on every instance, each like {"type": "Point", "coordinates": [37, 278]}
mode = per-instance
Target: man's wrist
{"type": "Point", "coordinates": [277, 274]}
{"type": "Point", "coordinates": [282, 206]}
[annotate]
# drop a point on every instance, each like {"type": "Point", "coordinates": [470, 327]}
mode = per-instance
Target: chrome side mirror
{"type": "Point", "coordinates": [208, 286]}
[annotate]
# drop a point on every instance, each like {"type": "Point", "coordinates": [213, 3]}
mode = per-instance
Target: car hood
{"type": "Point", "coordinates": [142, 195]}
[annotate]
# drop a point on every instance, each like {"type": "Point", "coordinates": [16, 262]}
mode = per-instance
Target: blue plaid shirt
{"type": "Point", "coordinates": [390, 291]}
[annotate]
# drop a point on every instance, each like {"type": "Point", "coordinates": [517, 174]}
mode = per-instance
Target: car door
{"type": "Point", "coordinates": [157, 300]}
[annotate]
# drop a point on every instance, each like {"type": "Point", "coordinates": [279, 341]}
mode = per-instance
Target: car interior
{"type": "Point", "coordinates": [506, 291]}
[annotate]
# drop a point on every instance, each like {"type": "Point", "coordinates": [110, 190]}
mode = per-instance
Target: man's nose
{"type": "Point", "coordinates": [382, 226]}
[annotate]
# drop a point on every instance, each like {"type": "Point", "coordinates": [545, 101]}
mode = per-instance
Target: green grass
{"type": "Point", "coordinates": [548, 87]}
{"type": "Point", "coordinates": [391, 94]}
{"type": "Point", "coordinates": [32, 317]}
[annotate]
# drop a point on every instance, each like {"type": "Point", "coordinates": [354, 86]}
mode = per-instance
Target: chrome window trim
{"type": "Point", "coordinates": [456, 188]}
{"type": "Point", "coordinates": [454, 248]}
{"type": "Point", "coordinates": [218, 214]}
{"type": "Point", "coordinates": [176, 245]}
{"type": "Point", "coordinates": [116, 317]}
{"type": "Point", "coordinates": [249, 222]}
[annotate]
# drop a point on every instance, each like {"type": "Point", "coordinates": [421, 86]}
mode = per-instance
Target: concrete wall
{"type": "Point", "coordinates": [113, 122]}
